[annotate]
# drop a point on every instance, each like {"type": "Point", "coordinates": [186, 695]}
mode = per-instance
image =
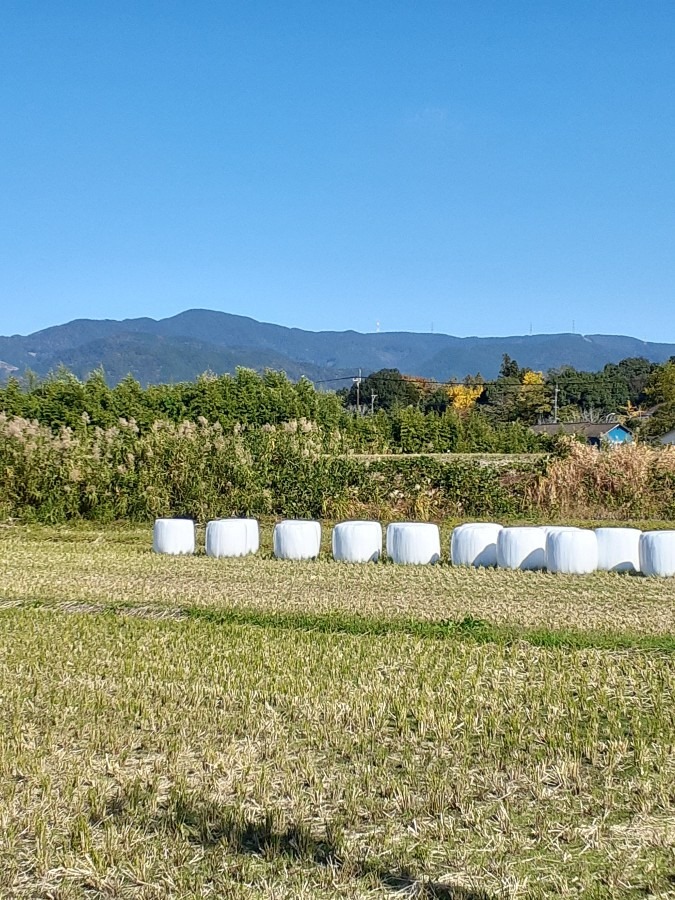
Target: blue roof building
{"type": "Point", "coordinates": [596, 433]}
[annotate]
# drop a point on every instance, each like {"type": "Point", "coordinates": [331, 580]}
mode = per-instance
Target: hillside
{"type": "Point", "coordinates": [182, 346]}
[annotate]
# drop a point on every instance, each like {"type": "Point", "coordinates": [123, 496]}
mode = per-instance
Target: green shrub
{"type": "Point", "coordinates": [300, 469]}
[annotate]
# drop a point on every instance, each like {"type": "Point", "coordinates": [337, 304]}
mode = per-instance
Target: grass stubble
{"type": "Point", "coordinates": [83, 568]}
{"type": "Point", "coordinates": [173, 754]}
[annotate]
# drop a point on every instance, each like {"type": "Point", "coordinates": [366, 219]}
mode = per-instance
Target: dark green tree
{"type": "Point", "coordinates": [509, 368]}
{"type": "Point", "coordinates": [391, 390]}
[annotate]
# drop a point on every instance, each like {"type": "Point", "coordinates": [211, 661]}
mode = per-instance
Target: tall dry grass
{"type": "Point", "coordinates": [203, 470]}
{"type": "Point", "coordinates": [299, 469]}
{"type": "Point", "coordinates": [192, 468]}
{"type": "Point", "coordinates": [628, 481]}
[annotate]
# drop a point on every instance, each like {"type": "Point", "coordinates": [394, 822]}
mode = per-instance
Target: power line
{"type": "Point", "coordinates": [561, 383]}
{"type": "Point", "coordinates": [332, 380]}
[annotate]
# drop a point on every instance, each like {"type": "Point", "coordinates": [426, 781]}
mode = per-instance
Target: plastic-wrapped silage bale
{"type": "Point", "coordinates": [554, 529]}
{"type": "Point", "coordinates": [572, 551]}
{"type": "Point", "coordinates": [232, 537]}
{"type": "Point", "coordinates": [297, 539]}
{"type": "Point", "coordinates": [475, 544]}
{"type": "Point", "coordinates": [618, 549]}
{"type": "Point", "coordinates": [357, 542]}
{"type": "Point", "coordinates": [414, 543]}
{"type": "Point", "coordinates": [657, 553]}
{"type": "Point", "coordinates": [521, 547]}
{"type": "Point", "coordinates": [173, 536]}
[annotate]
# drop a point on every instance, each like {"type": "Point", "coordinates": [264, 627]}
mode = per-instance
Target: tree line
{"type": "Point", "coordinates": [518, 392]}
{"type": "Point", "coordinates": [394, 413]}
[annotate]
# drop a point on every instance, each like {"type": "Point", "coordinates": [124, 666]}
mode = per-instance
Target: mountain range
{"type": "Point", "coordinates": [181, 347]}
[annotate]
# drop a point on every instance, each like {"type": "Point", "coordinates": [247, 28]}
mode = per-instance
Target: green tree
{"type": "Point", "coordinates": [391, 390]}
{"type": "Point", "coordinates": [660, 387]}
{"type": "Point", "coordinates": [509, 368]}
{"type": "Point", "coordinates": [660, 390]}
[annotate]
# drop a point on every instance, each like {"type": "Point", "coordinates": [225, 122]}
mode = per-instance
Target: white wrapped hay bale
{"type": "Point", "coordinates": [572, 551]}
{"type": "Point", "coordinates": [297, 539]}
{"type": "Point", "coordinates": [618, 549]}
{"type": "Point", "coordinates": [232, 537]}
{"type": "Point", "coordinates": [173, 536]}
{"type": "Point", "coordinates": [521, 547]}
{"type": "Point", "coordinates": [357, 542]}
{"type": "Point", "coordinates": [657, 553]}
{"type": "Point", "coordinates": [475, 544]}
{"type": "Point", "coordinates": [554, 529]}
{"type": "Point", "coordinates": [414, 543]}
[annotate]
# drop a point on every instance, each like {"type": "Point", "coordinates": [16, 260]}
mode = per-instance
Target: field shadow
{"type": "Point", "coordinates": [421, 889]}
{"type": "Point", "coordinates": [208, 825]}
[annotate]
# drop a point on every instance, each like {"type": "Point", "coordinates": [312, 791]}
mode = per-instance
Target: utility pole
{"type": "Point", "coordinates": [357, 382]}
{"type": "Point", "coordinates": [555, 403]}
{"type": "Point", "coordinates": [373, 396]}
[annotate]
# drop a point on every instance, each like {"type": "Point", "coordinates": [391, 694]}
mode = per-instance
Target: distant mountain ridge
{"type": "Point", "coordinates": [181, 347]}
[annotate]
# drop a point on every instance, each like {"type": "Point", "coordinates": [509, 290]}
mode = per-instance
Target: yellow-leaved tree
{"type": "Point", "coordinates": [533, 396]}
{"type": "Point", "coordinates": [463, 397]}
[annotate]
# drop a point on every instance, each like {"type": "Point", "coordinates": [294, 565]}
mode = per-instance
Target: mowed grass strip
{"type": "Point", "coordinates": [467, 629]}
{"type": "Point", "coordinates": [149, 759]}
{"type": "Point", "coordinates": [91, 567]}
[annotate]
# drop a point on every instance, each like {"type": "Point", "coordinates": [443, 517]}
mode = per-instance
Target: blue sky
{"type": "Point", "coordinates": [485, 167]}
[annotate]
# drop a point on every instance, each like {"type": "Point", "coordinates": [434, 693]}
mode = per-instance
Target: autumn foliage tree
{"type": "Point", "coordinates": [533, 400]}
{"type": "Point", "coordinates": [463, 397]}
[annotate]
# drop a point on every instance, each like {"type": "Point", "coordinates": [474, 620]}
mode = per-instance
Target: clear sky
{"type": "Point", "coordinates": [488, 167]}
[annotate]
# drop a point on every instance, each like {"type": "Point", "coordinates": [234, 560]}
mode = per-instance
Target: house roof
{"type": "Point", "coordinates": [587, 429]}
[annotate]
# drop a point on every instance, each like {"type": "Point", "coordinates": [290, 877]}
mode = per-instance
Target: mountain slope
{"type": "Point", "coordinates": [152, 359]}
{"type": "Point", "coordinates": [180, 347]}
{"type": "Point", "coordinates": [542, 352]}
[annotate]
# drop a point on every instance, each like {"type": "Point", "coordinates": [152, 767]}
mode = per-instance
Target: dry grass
{"type": "Point", "coordinates": [629, 479]}
{"type": "Point", "coordinates": [175, 757]}
{"type": "Point", "coordinates": [151, 759]}
{"type": "Point", "coordinates": [499, 460]}
{"type": "Point", "coordinates": [86, 566]}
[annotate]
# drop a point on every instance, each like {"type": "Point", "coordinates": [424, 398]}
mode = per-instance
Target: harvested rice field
{"type": "Point", "coordinates": [192, 727]}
